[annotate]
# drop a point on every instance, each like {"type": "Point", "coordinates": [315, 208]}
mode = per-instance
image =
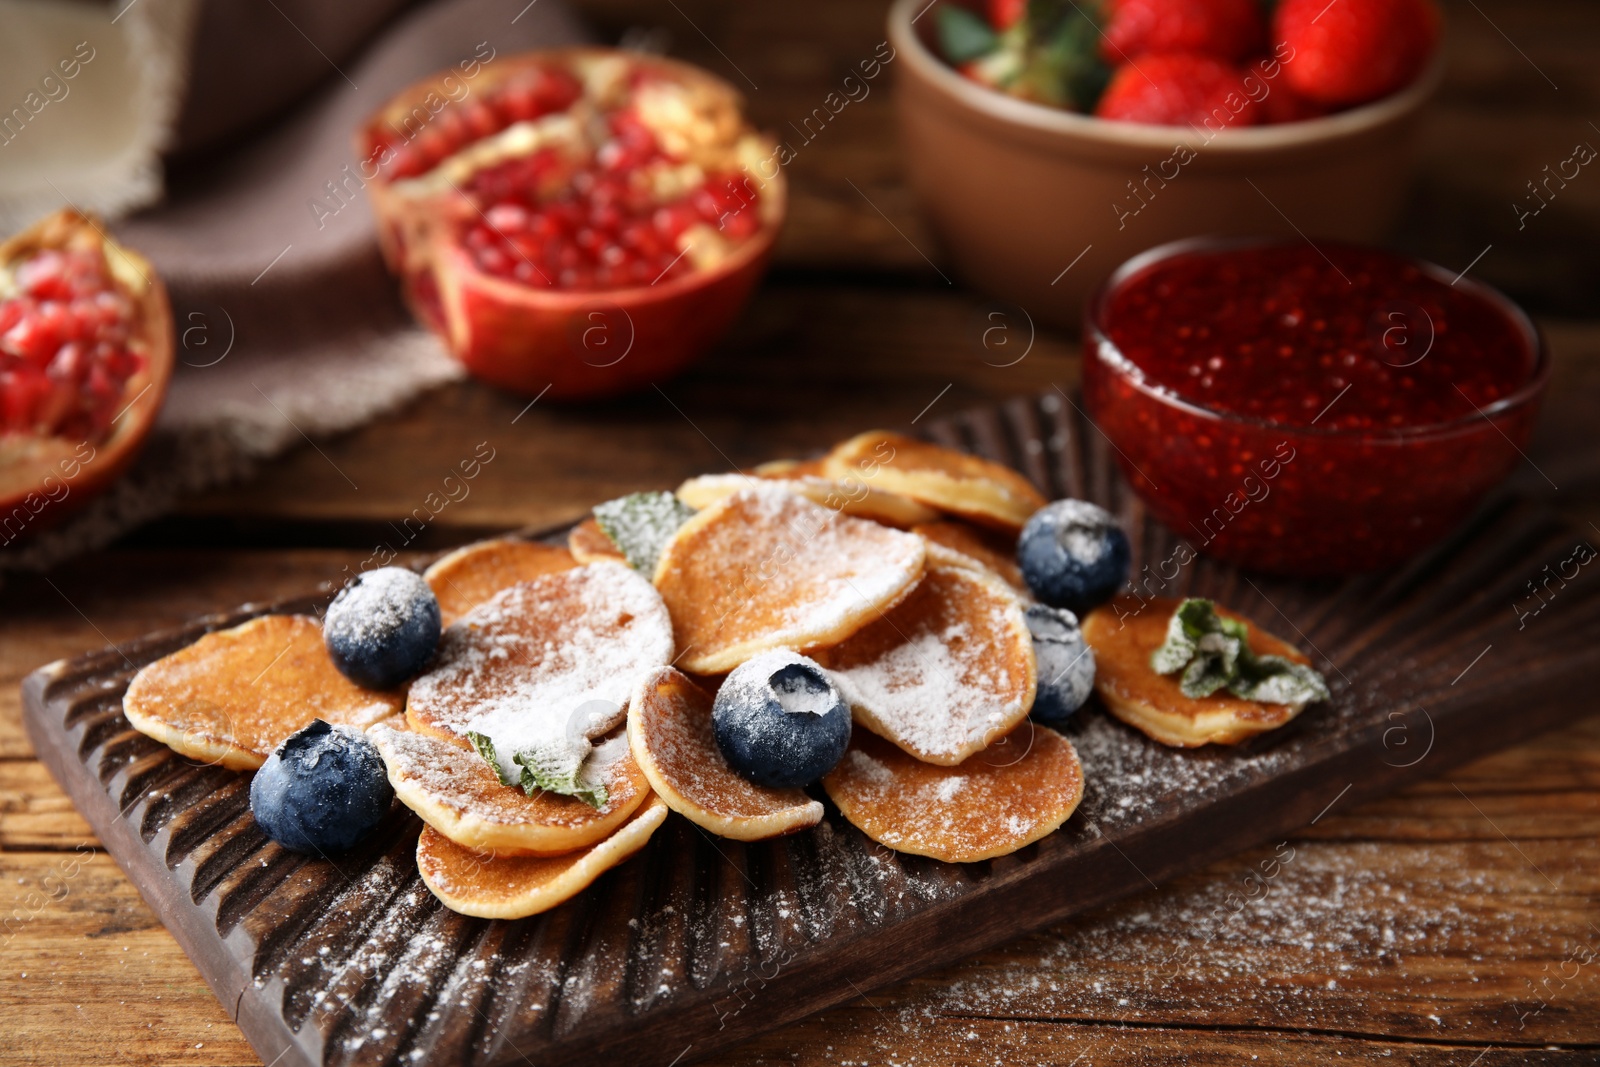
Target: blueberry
{"type": "Point", "coordinates": [1073, 555]}
{"type": "Point", "coordinates": [1066, 664]}
{"type": "Point", "coordinates": [382, 627]}
{"type": "Point", "coordinates": [322, 790]}
{"type": "Point", "coordinates": [780, 721]}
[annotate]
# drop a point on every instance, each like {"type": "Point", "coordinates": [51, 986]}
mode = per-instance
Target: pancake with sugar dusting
{"type": "Point", "coordinates": [994, 550]}
{"type": "Point", "coordinates": [456, 792]}
{"type": "Point", "coordinates": [669, 729]}
{"type": "Point", "coordinates": [589, 544]}
{"type": "Point", "coordinates": [543, 668]}
{"type": "Point", "coordinates": [1124, 632]}
{"type": "Point", "coordinates": [763, 569]}
{"type": "Point", "coordinates": [470, 575]}
{"type": "Point", "coordinates": [976, 489]}
{"type": "Point", "coordinates": [945, 672]}
{"type": "Point", "coordinates": [1009, 795]}
{"type": "Point", "coordinates": [858, 499]}
{"type": "Point", "coordinates": [234, 695]}
{"type": "Point", "coordinates": [788, 468]}
{"type": "Point", "coordinates": [513, 887]}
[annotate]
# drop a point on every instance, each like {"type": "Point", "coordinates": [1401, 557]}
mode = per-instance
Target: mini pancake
{"type": "Point", "coordinates": [513, 887]}
{"type": "Point", "coordinates": [856, 499]}
{"type": "Point", "coordinates": [589, 544]}
{"type": "Point", "coordinates": [994, 550]}
{"type": "Point", "coordinates": [947, 671]}
{"type": "Point", "coordinates": [470, 575]}
{"type": "Point", "coordinates": [234, 695]}
{"type": "Point", "coordinates": [1124, 632]}
{"type": "Point", "coordinates": [1009, 795]}
{"type": "Point", "coordinates": [669, 729]}
{"type": "Point", "coordinates": [788, 468]}
{"type": "Point", "coordinates": [763, 569]}
{"type": "Point", "coordinates": [458, 794]}
{"type": "Point", "coordinates": [546, 665]}
{"type": "Point", "coordinates": [964, 485]}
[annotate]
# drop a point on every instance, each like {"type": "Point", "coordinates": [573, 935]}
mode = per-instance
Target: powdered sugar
{"type": "Point", "coordinates": [547, 665]}
{"type": "Point", "coordinates": [945, 672]}
{"type": "Point", "coordinates": [765, 569]}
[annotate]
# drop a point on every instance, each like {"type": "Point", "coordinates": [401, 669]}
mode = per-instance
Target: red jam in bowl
{"type": "Point", "coordinates": [1308, 410]}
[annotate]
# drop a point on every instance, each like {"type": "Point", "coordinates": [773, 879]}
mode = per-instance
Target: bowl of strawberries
{"type": "Point", "coordinates": [1049, 140]}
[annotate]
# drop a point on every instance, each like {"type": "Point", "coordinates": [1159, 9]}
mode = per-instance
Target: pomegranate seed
{"type": "Point", "coordinates": [598, 225]}
{"type": "Point", "coordinates": [65, 358]}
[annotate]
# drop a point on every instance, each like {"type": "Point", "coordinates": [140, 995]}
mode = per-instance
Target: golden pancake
{"type": "Point", "coordinates": [787, 468]}
{"type": "Point", "coordinates": [994, 550]}
{"type": "Point", "coordinates": [1009, 795]}
{"type": "Point", "coordinates": [589, 544]}
{"type": "Point", "coordinates": [1153, 702]}
{"type": "Point", "coordinates": [764, 569]}
{"type": "Point", "coordinates": [669, 729]}
{"type": "Point", "coordinates": [470, 575]}
{"type": "Point", "coordinates": [947, 671]}
{"type": "Point", "coordinates": [512, 887]}
{"type": "Point", "coordinates": [543, 668]}
{"type": "Point", "coordinates": [233, 696]}
{"type": "Point", "coordinates": [964, 485]}
{"type": "Point", "coordinates": [856, 499]}
{"type": "Point", "coordinates": [458, 794]}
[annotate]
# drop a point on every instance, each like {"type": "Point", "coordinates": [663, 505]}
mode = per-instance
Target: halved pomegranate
{"type": "Point", "coordinates": [85, 355]}
{"type": "Point", "coordinates": [587, 220]}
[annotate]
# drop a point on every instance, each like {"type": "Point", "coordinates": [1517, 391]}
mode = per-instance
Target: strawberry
{"type": "Point", "coordinates": [1179, 88]}
{"type": "Point", "coordinates": [1282, 103]}
{"type": "Point", "coordinates": [1226, 29]}
{"type": "Point", "coordinates": [1004, 14]}
{"type": "Point", "coordinates": [1348, 52]}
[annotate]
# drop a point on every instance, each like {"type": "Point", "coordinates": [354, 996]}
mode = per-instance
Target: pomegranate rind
{"type": "Point", "coordinates": [573, 344]}
{"type": "Point", "coordinates": [43, 480]}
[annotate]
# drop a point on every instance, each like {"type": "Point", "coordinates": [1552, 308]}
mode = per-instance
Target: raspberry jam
{"type": "Point", "coordinates": [1308, 410]}
{"type": "Point", "coordinates": [66, 346]}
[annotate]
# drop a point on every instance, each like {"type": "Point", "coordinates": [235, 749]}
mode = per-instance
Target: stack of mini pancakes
{"type": "Point", "coordinates": [888, 561]}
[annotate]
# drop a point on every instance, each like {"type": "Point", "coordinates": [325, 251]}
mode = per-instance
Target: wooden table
{"type": "Point", "coordinates": [1454, 923]}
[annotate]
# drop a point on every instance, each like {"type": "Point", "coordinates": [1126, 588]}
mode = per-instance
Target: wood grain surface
{"type": "Point", "coordinates": [1456, 920]}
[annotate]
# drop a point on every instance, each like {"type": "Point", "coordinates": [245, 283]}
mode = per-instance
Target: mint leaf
{"type": "Point", "coordinates": [1275, 680]}
{"type": "Point", "coordinates": [641, 524]}
{"type": "Point", "coordinates": [1214, 654]}
{"type": "Point", "coordinates": [963, 35]}
{"type": "Point", "coordinates": [552, 770]}
{"type": "Point", "coordinates": [555, 775]}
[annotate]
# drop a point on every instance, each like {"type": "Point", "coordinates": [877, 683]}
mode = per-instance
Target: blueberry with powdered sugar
{"type": "Point", "coordinates": [780, 721]}
{"type": "Point", "coordinates": [1073, 555]}
{"type": "Point", "coordinates": [382, 627]}
{"type": "Point", "coordinates": [322, 790]}
{"type": "Point", "coordinates": [1065, 664]}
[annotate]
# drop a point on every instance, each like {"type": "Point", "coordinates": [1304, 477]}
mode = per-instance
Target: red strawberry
{"type": "Point", "coordinates": [1004, 14]}
{"type": "Point", "coordinates": [1227, 29]}
{"type": "Point", "coordinates": [1282, 103]}
{"type": "Point", "coordinates": [1351, 51]}
{"type": "Point", "coordinates": [1178, 88]}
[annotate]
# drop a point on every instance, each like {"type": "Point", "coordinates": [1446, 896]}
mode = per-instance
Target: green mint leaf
{"type": "Point", "coordinates": [963, 35]}
{"type": "Point", "coordinates": [641, 524]}
{"type": "Point", "coordinates": [1275, 680]}
{"type": "Point", "coordinates": [1214, 654]}
{"type": "Point", "coordinates": [485, 749]}
{"type": "Point", "coordinates": [539, 771]}
{"type": "Point", "coordinates": [553, 771]}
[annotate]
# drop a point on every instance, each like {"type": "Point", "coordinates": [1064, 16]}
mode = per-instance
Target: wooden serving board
{"type": "Point", "coordinates": [699, 942]}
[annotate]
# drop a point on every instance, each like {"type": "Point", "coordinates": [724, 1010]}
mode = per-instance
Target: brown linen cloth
{"type": "Point", "coordinates": [289, 327]}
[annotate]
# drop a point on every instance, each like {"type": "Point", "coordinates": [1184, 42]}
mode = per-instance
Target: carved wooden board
{"type": "Point", "coordinates": [699, 942]}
